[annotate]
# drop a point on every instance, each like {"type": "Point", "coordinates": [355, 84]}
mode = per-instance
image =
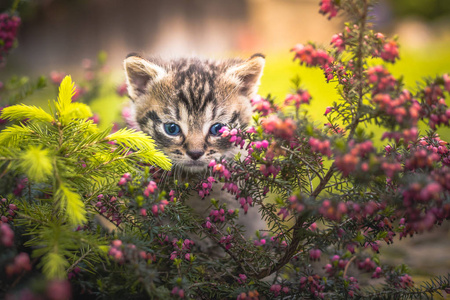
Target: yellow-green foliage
{"type": "Point", "coordinates": [71, 158]}
{"type": "Point", "coordinates": [36, 163]}
{"type": "Point", "coordinates": [67, 198]}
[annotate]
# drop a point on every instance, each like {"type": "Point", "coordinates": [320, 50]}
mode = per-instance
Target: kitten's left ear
{"type": "Point", "coordinates": [248, 74]}
{"type": "Point", "coordinates": [140, 74]}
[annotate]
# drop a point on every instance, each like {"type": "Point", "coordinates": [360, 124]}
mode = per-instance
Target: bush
{"type": "Point", "coordinates": [331, 197]}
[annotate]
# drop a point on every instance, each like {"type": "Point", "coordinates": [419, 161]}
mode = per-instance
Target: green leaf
{"type": "Point", "coordinates": [54, 265]}
{"type": "Point", "coordinates": [66, 92]}
{"type": "Point", "coordinates": [154, 157]}
{"type": "Point", "coordinates": [21, 112]}
{"type": "Point", "coordinates": [71, 201]}
{"type": "Point", "coordinates": [132, 138]}
{"type": "Point", "coordinates": [12, 136]}
{"type": "Point", "coordinates": [76, 111]}
{"type": "Point", "coordinates": [67, 110]}
{"type": "Point", "coordinates": [138, 140]}
{"type": "Point", "coordinates": [36, 163]}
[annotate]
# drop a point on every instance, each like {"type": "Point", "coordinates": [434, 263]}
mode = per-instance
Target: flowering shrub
{"type": "Point", "coordinates": [8, 31]}
{"type": "Point", "coordinates": [93, 213]}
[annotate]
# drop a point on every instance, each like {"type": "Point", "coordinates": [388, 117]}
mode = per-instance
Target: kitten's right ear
{"type": "Point", "coordinates": [140, 74]}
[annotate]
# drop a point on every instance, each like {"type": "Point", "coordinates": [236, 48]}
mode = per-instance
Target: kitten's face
{"type": "Point", "coordinates": [183, 104]}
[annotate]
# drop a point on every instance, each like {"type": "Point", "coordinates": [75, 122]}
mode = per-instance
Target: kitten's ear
{"type": "Point", "coordinates": [140, 73]}
{"type": "Point", "coordinates": [248, 74]}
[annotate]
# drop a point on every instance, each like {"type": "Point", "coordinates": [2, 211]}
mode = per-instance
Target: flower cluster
{"type": "Point", "coordinates": [21, 185]}
{"type": "Point", "coordinates": [125, 178]}
{"type": "Point", "coordinates": [227, 241]}
{"type": "Point", "coordinates": [178, 292]}
{"type": "Point", "coordinates": [385, 48]}
{"type": "Point", "coordinates": [381, 79]}
{"type": "Point", "coordinates": [434, 104]}
{"type": "Point", "coordinates": [250, 295]}
{"type": "Point", "coordinates": [21, 263]}
{"type": "Point", "coordinates": [205, 187]}
{"type": "Point", "coordinates": [182, 249]}
{"type": "Point", "coordinates": [322, 147]}
{"type": "Point", "coordinates": [277, 289]}
{"type": "Point", "coordinates": [390, 51]}
{"type": "Point", "coordinates": [312, 57]}
{"type": "Point", "coordinates": [314, 254]}
{"type": "Point", "coordinates": [220, 169]}
{"type": "Point", "coordinates": [8, 32]}
{"type": "Point", "coordinates": [6, 235]}
{"type": "Point", "coordinates": [329, 7]}
{"type": "Point", "coordinates": [337, 263]}
{"type": "Point", "coordinates": [8, 211]}
{"type": "Point", "coordinates": [337, 210]}
{"type": "Point", "coordinates": [403, 281]}
{"type": "Point", "coordinates": [261, 105]}
{"type": "Point", "coordinates": [284, 129]}
{"type": "Point", "coordinates": [302, 96]}
{"type": "Point", "coordinates": [352, 285]}
{"type": "Point", "coordinates": [348, 162]}
{"type": "Point", "coordinates": [313, 284]}
{"type": "Point", "coordinates": [338, 42]}
{"type": "Point", "coordinates": [122, 253]}
{"type": "Point", "coordinates": [109, 208]}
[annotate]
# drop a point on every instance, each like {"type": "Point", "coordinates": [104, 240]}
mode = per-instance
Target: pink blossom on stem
{"type": "Point", "coordinates": [261, 105]}
{"type": "Point", "coordinates": [338, 42]}
{"type": "Point", "coordinates": [328, 7]}
{"type": "Point", "coordinates": [390, 51]}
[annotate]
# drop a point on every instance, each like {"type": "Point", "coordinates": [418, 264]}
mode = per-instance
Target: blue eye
{"type": "Point", "coordinates": [172, 128]}
{"type": "Point", "coordinates": [214, 130]}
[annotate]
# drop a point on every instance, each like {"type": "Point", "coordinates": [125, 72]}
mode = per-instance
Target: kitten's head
{"type": "Point", "coordinates": [183, 103]}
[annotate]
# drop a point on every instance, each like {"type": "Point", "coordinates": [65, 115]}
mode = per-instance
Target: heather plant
{"type": "Point", "coordinates": [102, 218]}
{"type": "Point", "coordinates": [9, 24]}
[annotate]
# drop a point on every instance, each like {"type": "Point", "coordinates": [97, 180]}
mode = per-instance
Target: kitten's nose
{"type": "Point", "coordinates": [195, 154]}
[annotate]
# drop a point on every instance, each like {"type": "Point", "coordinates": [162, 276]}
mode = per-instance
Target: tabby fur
{"type": "Point", "coordinates": [195, 94]}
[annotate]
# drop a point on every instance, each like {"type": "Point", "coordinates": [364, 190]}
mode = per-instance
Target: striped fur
{"type": "Point", "coordinates": [194, 94]}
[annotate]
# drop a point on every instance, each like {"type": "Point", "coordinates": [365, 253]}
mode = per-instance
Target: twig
{"type": "Point", "coordinates": [347, 265]}
{"type": "Point", "coordinates": [70, 269]}
{"type": "Point", "coordinates": [303, 161]}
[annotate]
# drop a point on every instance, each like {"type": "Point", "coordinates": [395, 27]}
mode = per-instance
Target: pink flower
{"type": "Point", "coordinates": [59, 290]}
{"type": "Point", "coordinates": [6, 235]}
{"type": "Point", "coordinates": [446, 82]}
{"type": "Point", "coordinates": [302, 96]}
{"type": "Point", "coordinates": [57, 77]}
{"type": "Point", "coordinates": [322, 147]}
{"type": "Point", "coordinates": [328, 7]}
{"type": "Point", "coordinates": [122, 89]}
{"type": "Point", "coordinates": [242, 278]}
{"type": "Point", "coordinates": [338, 42]}
{"type": "Point", "coordinates": [150, 189]}
{"type": "Point", "coordinates": [328, 110]}
{"type": "Point", "coordinates": [390, 51]}
{"type": "Point", "coordinates": [275, 289]}
{"type": "Point", "coordinates": [311, 57]}
{"type": "Point", "coordinates": [314, 254]}
{"type": "Point", "coordinates": [261, 105]}
{"type": "Point", "coordinates": [284, 129]}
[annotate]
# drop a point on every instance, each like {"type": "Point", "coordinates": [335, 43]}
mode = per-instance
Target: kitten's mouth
{"type": "Point", "coordinates": [195, 163]}
{"type": "Point", "coordinates": [195, 166]}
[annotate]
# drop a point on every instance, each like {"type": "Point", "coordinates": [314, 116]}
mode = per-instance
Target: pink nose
{"type": "Point", "coordinates": [195, 154]}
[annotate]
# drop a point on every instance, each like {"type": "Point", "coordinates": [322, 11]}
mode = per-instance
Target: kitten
{"type": "Point", "coordinates": [183, 103]}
